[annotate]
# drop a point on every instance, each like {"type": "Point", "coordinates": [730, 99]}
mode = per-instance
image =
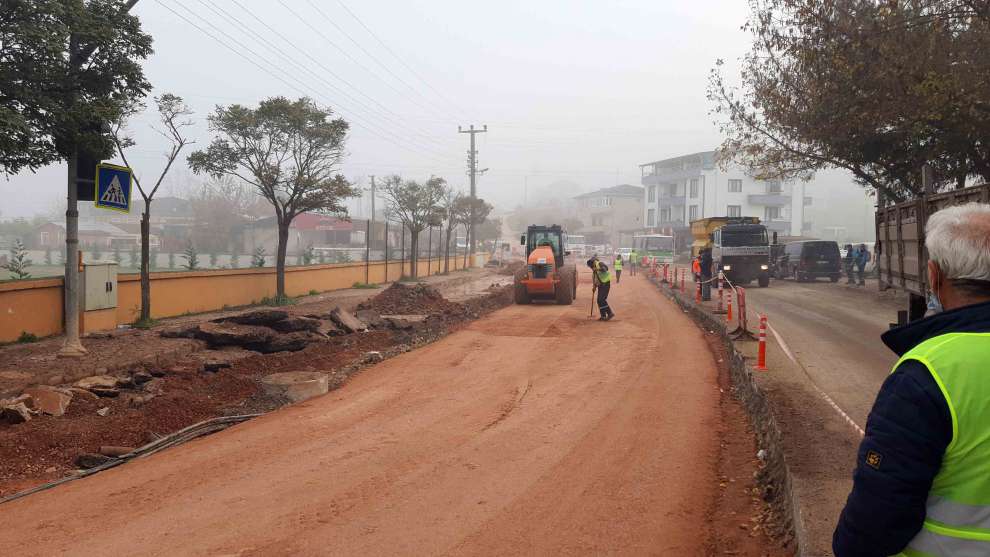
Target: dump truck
{"type": "Point", "coordinates": [901, 257]}
{"type": "Point", "coordinates": [547, 274]}
{"type": "Point", "coordinates": [740, 247]}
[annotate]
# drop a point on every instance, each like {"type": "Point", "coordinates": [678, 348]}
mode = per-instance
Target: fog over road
{"type": "Point", "coordinates": [535, 430]}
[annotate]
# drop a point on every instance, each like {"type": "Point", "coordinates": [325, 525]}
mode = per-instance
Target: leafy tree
{"type": "Point", "coordinates": [465, 214]}
{"type": "Point", "coordinates": [191, 257]}
{"type": "Point", "coordinates": [416, 205]}
{"type": "Point", "coordinates": [308, 254]}
{"type": "Point", "coordinates": [19, 262]}
{"type": "Point", "coordinates": [67, 68]}
{"type": "Point", "coordinates": [220, 208]}
{"type": "Point", "coordinates": [290, 151]}
{"type": "Point", "coordinates": [173, 116]}
{"type": "Point", "coordinates": [876, 88]}
{"type": "Point", "coordinates": [450, 208]}
{"type": "Point", "coordinates": [258, 259]}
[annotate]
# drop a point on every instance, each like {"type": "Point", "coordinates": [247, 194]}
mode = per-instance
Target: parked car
{"type": "Point", "coordinates": [809, 260]}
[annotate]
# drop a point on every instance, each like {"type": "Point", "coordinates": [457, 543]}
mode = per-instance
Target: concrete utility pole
{"type": "Point", "coordinates": [72, 347]}
{"type": "Point", "coordinates": [473, 173]}
{"type": "Point", "coordinates": [372, 207]}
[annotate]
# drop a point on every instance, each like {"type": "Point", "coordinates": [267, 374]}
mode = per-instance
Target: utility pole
{"type": "Point", "coordinates": [473, 173]}
{"type": "Point", "coordinates": [72, 347]}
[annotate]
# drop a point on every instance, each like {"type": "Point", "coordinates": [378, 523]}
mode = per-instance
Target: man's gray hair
{"type": "Point", "coordinates": [958, 239]}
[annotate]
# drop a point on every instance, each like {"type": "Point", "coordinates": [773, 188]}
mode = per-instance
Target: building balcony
{"type": "Point", "coordinates": [672, 200]}
{"type": "Point", "coordinates": [778, 226]}
{"type": "Point", "coordinates": [770, 199]}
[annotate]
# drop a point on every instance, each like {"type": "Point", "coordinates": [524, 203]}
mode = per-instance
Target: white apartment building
{"type": "Point", "coordinates": [682, 189]}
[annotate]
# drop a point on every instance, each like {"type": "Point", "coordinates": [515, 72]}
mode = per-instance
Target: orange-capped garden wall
{"type": "Point", "coordinates": [35, 306]}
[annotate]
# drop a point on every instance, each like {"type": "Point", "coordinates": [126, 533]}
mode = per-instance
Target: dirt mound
{"type": "Point", "coordinates": [510, 268]}
{"type": "Point", "coordinates": [419, 299]}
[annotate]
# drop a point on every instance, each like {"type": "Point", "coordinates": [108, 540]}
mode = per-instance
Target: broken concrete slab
{"type": "Point", "coordinates": [329, 329]}
{"type": "Point", "coordinates": [15, 413]}
{"type": "Point", "coordinates": [264, 317]}
{"type": "Point", "coordinates": [291, 342]}
{"type": "Point", "coordinates": [96, 382]}
{"type": "Point", "coordinates": [371, 318]}
{"type": "Point", "coordinates": [343, 319]}
{"type": "Point", "coordinates": [180, 332]}
{"type": "Point", "coordinates": [231, 334]}
{"type": "Point", "coordinates": [105, 393]}
{"type": "Point", "coordinates": [296, 385]}
{"type": "Point", "coordinates": [295, 324]}
{"type": "Point", "coordinates": [49, 400]}
{"type": "Point", "coordinates": [91, 460]}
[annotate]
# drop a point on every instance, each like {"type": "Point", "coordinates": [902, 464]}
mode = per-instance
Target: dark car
{"type": "Point", "coordinates": [809, 260]}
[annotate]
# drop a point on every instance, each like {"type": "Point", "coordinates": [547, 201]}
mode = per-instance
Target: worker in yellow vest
{"type": "Point", "coordinates": [922, 480]}
{"type": "Point", "coordinates": [601, 281]}
{"type": "Point", "coordinates": [617, 265]}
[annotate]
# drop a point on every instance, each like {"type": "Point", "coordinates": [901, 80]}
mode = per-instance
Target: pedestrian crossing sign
{"type": "Point", "coordinates": [113, 187]}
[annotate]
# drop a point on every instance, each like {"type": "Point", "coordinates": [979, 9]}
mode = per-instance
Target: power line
{"type": "Point", "coordinates": [344, 52]}
{"type": "Point", "coordinates": [396, 56]}
{"type": "Point", "coordinates": [268, 71]}
{"type": "Point", "coordinates": [365, 51]}
{"type": "Point", "coordinates": [223, 13]}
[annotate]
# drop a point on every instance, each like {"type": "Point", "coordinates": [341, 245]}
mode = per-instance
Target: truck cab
{"type": "Point", "coordinates": [742, 253]}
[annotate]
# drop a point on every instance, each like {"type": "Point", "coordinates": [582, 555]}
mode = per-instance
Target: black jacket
{"type": "Point", "coordinates": [909, 427]}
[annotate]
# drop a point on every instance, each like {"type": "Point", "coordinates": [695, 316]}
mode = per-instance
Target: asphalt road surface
{"type": "Point", "coordinates": [533, 431]}
{"type": "Point", "coordinates": [833, 330]}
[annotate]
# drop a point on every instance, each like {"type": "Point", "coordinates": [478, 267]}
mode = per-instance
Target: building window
{"type": "Point", "coordinates": [771, 213]}
{"type": "Point", "coordinates": [693, 212]}
{"type": "Point", "coordinates": [807, 201]}
{"type": "Point", "coordinates": [734, 210]}
{"type": "Point", "coordinates": [599, 220]}
{"type": "Point", "coordinates": [651, 195]}
{"type": "Point", "coordinates": [735, 186]}
{"type": "Point", "coordinates": [665, 215]}
{"type": "Point", "coordinates": [694, 188]}
{"type": "Point", "coordinates": [44, 238]}
{"type": "Point", "coordinates": [651, 217]}
{"type": "Point", "coordinates": [774, 186]}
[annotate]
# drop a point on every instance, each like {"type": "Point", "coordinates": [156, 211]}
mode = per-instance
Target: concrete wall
{"type": "Point", "coordinates": [35, 306]}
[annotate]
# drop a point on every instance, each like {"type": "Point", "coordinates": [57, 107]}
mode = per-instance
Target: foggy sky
{"type": "Point", "coordinates": [570, 90]}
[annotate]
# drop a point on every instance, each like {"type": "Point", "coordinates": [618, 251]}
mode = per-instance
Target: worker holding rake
{"type": "Point", "coordinates": [601, 281]}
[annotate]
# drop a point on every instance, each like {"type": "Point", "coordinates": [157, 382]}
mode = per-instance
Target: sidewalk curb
{"type": "Point", "coordinates": [775, 477]}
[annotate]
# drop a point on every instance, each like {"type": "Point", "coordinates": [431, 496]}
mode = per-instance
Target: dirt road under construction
{"type": "Point", "coordinates": [535, 430]}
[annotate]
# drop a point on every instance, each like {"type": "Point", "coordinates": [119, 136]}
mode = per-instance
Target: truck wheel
{"type": "Point", "coordinates": [764, 281]}
{"type": "Point", "coordinates": [519, 292]}
{"type": "Point", "coordinates": [565, 290]}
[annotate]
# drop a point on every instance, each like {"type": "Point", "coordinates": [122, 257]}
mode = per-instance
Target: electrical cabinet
{"type": "Point", "coordinates": [99, 285]}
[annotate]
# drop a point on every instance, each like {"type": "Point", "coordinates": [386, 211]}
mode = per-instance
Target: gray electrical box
{"type": "Point", "coordinates": [99, 285]}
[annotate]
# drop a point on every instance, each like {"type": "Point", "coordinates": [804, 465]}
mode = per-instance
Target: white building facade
{"type": "Point", "coordinates": [690, 187]}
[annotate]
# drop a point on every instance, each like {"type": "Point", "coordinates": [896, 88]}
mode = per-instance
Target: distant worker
{"type": "Point", "coordinates": [849, 263]}
{"type": "Point", "coordinates": [922, 479]}
{"type": "Point", "coordinates": [705, 261]}
{"type": "Point", "coordinates": [633, 262]}
{"type": "Point", "coordinates": [617, 265]}
{"type": "Point", "coordinates": [862, 258]}
{"type": "Point", "coordinates": [601, 281]}
{"type": "Point", "coordinates": [696, 268]}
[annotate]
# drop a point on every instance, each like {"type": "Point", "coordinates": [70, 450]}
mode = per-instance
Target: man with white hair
{"type": "Point", "coordinates": [922, 480]}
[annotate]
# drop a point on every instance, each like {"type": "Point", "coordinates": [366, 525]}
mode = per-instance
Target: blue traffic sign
{"type": "Point", "coordinates": [113, 187]}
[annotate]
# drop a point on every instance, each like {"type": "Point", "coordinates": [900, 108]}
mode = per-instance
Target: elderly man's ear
{"type": "Point", "coordinates": [934, 276]}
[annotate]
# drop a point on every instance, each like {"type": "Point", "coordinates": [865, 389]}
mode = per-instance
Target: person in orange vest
{"type": "Point", "coordinates": [696, 268]}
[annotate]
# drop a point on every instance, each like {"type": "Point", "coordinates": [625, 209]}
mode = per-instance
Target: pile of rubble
{"type": "Point", "coordinates": [419, 299]}
{"type": "Point", "coordinates": [135, 388]}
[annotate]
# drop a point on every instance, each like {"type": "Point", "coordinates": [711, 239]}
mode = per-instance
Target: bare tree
{"type": "Point", "coordinates": [174, 116]}
{"type": "Point", "coordinates": [290, 151]}
{"type": "Point", "coordinates": [450, 208]}
{"type": "Point", "coordinates": [416, 205]}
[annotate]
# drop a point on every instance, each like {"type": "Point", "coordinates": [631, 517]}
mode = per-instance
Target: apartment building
{"type": "Point", "coordinates": [610, 215]}
{"type": "Point", "coordinates": [682, 189]}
